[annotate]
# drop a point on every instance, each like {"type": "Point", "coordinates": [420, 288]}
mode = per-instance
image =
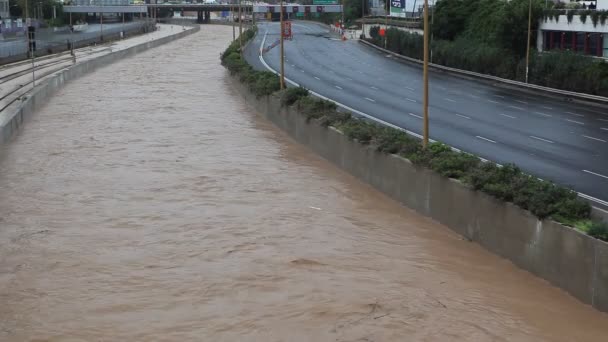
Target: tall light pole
{"type": "Point", "coordinates": [529, 34]}
{"type": "Point", "coordinates": [425, 76]}
{"type": "Point", "coordinates": [240, 28]}
{"type": "Point", "coordinates": [282, 78]}
{"type": "Point", "coordinates": [388, 10]}
{"type": "Point", "coordinates": [233, 28]}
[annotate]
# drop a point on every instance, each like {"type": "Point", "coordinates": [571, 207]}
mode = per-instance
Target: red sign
{"type": "Point", "coordinates": [382, 32]}
{"type": "Point", "coordinates": [287, 30]}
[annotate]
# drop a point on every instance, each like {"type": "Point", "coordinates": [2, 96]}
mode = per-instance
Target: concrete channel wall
{"type": "Point", "coordinates": [43, 92]}
{"type": "Point", "coordinates": [565, 257]}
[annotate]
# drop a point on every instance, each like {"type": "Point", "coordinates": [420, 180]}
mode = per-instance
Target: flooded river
{"type": "Point", "coordinates": [148, 202]}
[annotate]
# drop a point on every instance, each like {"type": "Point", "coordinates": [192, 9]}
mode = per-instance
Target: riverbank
{"type": "Point", "coordinates": [564, 256]}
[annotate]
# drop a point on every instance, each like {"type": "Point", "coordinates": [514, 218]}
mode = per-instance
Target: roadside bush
{"type": "Point", "coordinates": [561, 70]}
{"type": "Point", "coordinates": [292, 95]}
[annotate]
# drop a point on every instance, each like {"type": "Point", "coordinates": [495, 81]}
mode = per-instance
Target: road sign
{"type": "Point", "coordinates": [287, 30]}
{"type": "Point", "coordinates": [397, 8]}
{"type": "Point", "coordinates": [324, 2]}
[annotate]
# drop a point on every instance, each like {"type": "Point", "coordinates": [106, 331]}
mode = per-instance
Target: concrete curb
{"type": "Point", "coordinates": [37, 97]}
{"type": "Point", "coordinates": [515, 85]}
{"type": "Point", "coordinates": [563, 256]}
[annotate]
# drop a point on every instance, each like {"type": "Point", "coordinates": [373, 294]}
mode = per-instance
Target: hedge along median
{"type": "Point", "coordinates": [512, 214]}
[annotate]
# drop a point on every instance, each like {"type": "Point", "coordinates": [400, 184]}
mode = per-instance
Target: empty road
{"type": "Point", "coordinates": [563, 142]}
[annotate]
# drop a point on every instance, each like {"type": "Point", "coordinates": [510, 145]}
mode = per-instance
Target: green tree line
{"type": "Point", "coordinates": [490, 37]}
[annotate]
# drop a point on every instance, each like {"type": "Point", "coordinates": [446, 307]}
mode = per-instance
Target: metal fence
{"type": "Point", "coordinates": [49, 42]}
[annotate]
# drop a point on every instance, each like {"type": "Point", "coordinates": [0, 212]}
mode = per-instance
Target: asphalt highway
{"type": "Point", "coordinates": [554, 140]}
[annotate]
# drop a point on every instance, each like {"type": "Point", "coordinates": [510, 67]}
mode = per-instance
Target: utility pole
{"type": "Point", "coordinates": [362, 16]}
{"type": "Point", "coordinates": [388, 10]}
{"type": "Point", "coordinates": [240, 27]}
{"type": "Point", "coordinates": [342, 24]}
{"type": "Point", "coordinates": [282, 78]}
{"type": "Point", "coordinates": [529, 33]}
{"type": "Point", "coordinates": [425, 76]}
{"type": "Point", "coordinates": [233, 28]}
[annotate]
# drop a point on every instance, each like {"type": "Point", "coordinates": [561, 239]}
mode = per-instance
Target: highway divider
{"type": "Point", "coordinates": [516, 85]}
{"type": "Point", "coordinates": [12, 122]}
{"type": "Point", "coordinates": [506, 211]}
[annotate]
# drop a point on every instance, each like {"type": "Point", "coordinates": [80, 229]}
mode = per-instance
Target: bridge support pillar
{"type": "Point", "coordinates": [207, 19]}
{"type": "Point", "coordinates": [199, 17]}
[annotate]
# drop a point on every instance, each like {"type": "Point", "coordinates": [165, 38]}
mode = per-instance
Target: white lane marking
{"type": "Point", "coordinates": [407, 98]}
{"type": "Point", "coordinates": [509, 116]}
{"type": "Point", "coordinates": [501, 96]}
{"type": "Point", "coordinates": [338, 87]}
{"type": "Point", "coordinates": [597, 174]}
{"type": "Point", "coordinates": [575, 114]}
{"type": "Point", "coordinates": [520, 101]}
{"type": "Point", "coordinates": [547, 107]}
{"type": "Point", "coordinates": [463, 116]}
{"type": "Point", "coordinates": [388, 124]}
{"type": "Point", "coordinates": [515, 107]}
{"type": "Point", "coordinates": [361, 72]}
{"type": "Point", "coordinates": [604, 128]}
{"type": "Point", "coordinates": [317, 78]}
{"type": "Point", "coordinates": [374, 88]}
{"type": "Point", "coordinates": [302, 71]}
{"type": "Point", "coordinates": [541, 139]}
{"type": "Point", "coordinates": [576, 122]}
{"type": "Point", "coordinates": [603, 120]}
{"type": "Point", "coordinates": [416, 116]}
{"type": "Point", "coordinates": [474, 96]}
{"type": "Point", "coordinates": [447, 99]}
{"type": "Point", "coordinates": [349, 79]}
{"type": "Point", "coordinates": [592, 138]}
{"type": "Point", "coordinates": [408, 88]}
{"type": "Point", "coordinates": [293, 65]}
{"type": "Point", "coordinates": [493, 101]}
{"type": "Point", "coordinates": [543, 114]}
{"type": "Point", "coordinates": [371, 100]}
{"type": "Point", "coordinates": [486, 139]}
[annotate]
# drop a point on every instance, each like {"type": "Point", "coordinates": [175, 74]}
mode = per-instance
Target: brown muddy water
{"type": "Point", "coordinates": [148, 202]}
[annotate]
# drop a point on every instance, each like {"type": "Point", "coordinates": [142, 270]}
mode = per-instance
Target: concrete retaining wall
{"type": "Point", "coordinates": [565, 257]}
{"type": "Point", "coordinates": [42, 92]}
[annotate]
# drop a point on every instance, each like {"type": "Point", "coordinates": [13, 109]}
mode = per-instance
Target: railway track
{"type": "Point", "coordinates": [45, 67]}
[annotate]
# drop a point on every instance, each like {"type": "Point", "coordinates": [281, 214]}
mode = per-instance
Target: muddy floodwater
{"type": "Point", "coordinates": [148, 202]}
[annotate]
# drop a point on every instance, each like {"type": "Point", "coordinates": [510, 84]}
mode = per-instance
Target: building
{"type": "Point", "coordinates": [4, 10]}
{"type": "Point", "coordinates": [585, 34]}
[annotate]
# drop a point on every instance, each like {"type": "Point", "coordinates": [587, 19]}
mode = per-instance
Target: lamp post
{"type": "Point", "coordinates": [240, 27]}
{"type": "Point", "coordinates": [529, 34]}
{"type": "Point", "coordinates": [425, 76]}
{"type": "Point", "coordinates": [388, 10]}
{"type": "Point", "coordinates": [282, 78]}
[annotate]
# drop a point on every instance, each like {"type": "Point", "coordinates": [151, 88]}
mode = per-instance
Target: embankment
{"type": "Point", "coordinates": [564, 256]}
{"type": "Point", "coordinates": [43, 91]}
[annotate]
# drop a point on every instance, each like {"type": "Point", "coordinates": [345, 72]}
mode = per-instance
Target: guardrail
{"type": "Point", "coordinates": [594, 99]}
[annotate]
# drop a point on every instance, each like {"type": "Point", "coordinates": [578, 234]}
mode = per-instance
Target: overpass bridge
{"type": "Point", "coordinates": [203, 10]}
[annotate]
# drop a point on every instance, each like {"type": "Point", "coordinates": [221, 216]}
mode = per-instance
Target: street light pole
{"type": "Point", "coordinates": [240, 27]}
{"type": "Point", "coordinates": [388, 10]}
{"type": "Point", "coordinates": [233, 28]}
{"type": "Point", "coordinates": [282, 78]}
{"type": "Point", "coordinates": [529, 34]}
{"type": "Point", "coordinates": [425, 76]}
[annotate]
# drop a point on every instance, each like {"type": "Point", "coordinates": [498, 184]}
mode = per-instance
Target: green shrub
{"type": "Point", "coordinates": [292, 95]}
{"type": "Point", "coordinates": [598, 230]}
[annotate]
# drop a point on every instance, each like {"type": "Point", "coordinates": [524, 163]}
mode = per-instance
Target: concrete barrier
{"type": "Point", "coordinates": [37, 97]}
{"type": "Point", "coordinates": [565, 257]}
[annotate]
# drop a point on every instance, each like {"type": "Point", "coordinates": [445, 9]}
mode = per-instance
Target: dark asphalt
{"type": "Point", "coordinates": [563, 142]}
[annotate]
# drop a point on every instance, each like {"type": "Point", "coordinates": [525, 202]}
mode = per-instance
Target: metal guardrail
{"type": "Point", "coordinates": [550, 91]}
{"type": "Point", "coordinates": [20, 47]}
